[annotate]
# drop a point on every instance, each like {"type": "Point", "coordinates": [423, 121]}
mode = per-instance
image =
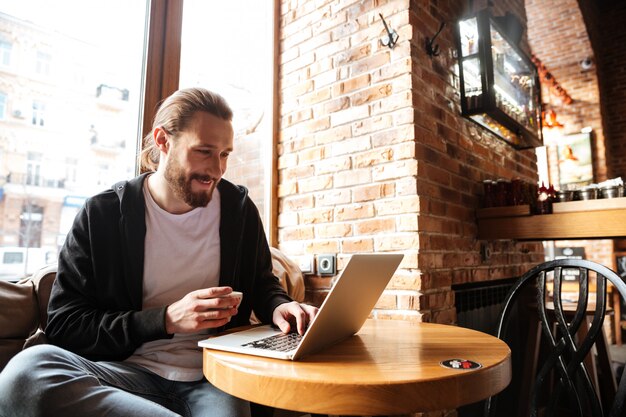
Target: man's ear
{"type": "Point", "coordinates": [161, 139]}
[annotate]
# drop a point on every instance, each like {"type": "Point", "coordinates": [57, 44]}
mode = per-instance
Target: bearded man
{"type": "Point", "coordinates": [144, 275]}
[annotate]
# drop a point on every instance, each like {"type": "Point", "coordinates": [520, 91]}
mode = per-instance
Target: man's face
{"type": "Point", "coordinates": [198, 157]}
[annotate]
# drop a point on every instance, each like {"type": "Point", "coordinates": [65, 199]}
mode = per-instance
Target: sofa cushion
{"type": "Point", "coordinates": [289, 274]}
{"type": "Point", "coordinates": [43, 280]}
{"type": "Point", "coordinates": [19, 318]}
{"type": "Point", "coordinates": [8, 349]}
{"type": "Point", "coordinates": [20, 310]}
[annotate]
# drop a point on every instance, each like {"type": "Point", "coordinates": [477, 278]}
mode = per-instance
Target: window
{"type": "Point", "coordinates": [43, 63]}
{"type": "Point", "coordinates": [103, 174]}
{"type": "Point", "coordinates": [31, 220]}
{"type": "Point", "coordinates": [238, 64]}
{"type": "Point", "coordinates": [39, 112]}
{"type": "Point", "coordinates": [90, 96]}
{"type": "Point", "coordinates": [33, 168]}
{"type": "Point", "coordinates": [5, 53]}
{"type": "Point", "coordinates": [71, 168]}
{"type": "Point", "coordinates": [50, 165]}
{"type": "Point", "coordinates": [12, 258]}
{"type": "Point", "coordinates": [3, 105]}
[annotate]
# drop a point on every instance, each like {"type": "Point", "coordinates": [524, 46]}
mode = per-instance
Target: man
{"type": "Point", "coordinates": [144, 275]}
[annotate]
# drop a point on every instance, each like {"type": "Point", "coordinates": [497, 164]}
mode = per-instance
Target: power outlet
{"type": "Point", "coordinates": [306, 263]}
{"type": "Point", "coordinates": [326, 264]}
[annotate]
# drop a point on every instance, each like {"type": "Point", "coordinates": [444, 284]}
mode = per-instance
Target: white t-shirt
{"type": "Point", "coordinates": [182, 254]}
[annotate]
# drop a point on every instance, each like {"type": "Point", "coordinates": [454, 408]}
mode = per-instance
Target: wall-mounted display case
{"type": "Point", "coordinates": [499, 85]}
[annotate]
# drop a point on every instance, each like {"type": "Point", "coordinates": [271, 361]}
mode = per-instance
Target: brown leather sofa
{"type": "Point", "coordinates": [23, 312]}
{"type": "Point", "coordinates": [23, 305]}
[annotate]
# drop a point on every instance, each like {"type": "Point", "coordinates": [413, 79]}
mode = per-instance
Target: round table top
{"type": "Point", "coordinates": [388, 367]}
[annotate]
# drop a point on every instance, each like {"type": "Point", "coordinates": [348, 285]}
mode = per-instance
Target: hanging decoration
{"type": "Point", "coordinates": [549, 116]}
{"type": "Point", "coordinates": [549, 80]}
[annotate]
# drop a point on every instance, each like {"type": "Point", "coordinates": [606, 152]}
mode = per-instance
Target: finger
{"type": "Point", "coordinates": [283, 325]}
{"type": "Point", "coordinates": [218, 314]}
{"type": "Point", "coordinates": [211, 324]}
{"type": "Point", "coordinates": [311, 311]}
{"type": "Point", "coordinates": [301, 319]}
{"type": "Point", "coordinates": [212, 292]}
{"type": "Point", "coordinates": [218, 303]}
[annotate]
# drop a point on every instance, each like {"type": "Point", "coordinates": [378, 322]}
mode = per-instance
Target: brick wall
{"type": "Point", "coordinates": [374, 156]}
{"type": "Point", "coordinates": [561, 42]}
{"type": "Point", "coordinates": [605, 23]}
{"type": "Point", "coordinates": [558, 37]}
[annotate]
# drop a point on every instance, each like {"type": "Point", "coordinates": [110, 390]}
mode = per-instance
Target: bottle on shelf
{"type": "Point", "coordinates": [544, 201]}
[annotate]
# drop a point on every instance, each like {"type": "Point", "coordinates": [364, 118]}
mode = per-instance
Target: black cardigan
{"type": "Point", "coordinates": [95, 306]}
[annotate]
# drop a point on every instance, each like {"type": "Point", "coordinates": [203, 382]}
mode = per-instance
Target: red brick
{"type": "Point", "coordinates": [333, 230]}
{"type": "Point", "coordinates": [375, 226]}
{"type": "Point", "coordinates": [359, 245]}
{"type": "Point", "coordinates": [315, 216]}
{"type": "Point", "coordinates": [353, 212]}
{"type": "Point", "coordinates": [372, 192]}
{"type": "Point", "coordinates": [351, 84]}
{"type": "Point", "coordinates": [396, 242]}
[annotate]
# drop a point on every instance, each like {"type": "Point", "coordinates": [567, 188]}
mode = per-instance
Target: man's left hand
{"type": "Point", "coordinates": [287, 315]}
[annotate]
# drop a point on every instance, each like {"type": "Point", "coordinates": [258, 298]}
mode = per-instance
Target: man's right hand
{"type": "Point", "coordinates": [201, 309]}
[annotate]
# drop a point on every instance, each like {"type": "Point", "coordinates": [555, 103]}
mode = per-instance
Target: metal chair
{"type": "Point", "coordinates": [563, 381]}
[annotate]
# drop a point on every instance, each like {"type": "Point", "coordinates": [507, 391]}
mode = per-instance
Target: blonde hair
{"type": "Point", "coordinates": [173, 116]}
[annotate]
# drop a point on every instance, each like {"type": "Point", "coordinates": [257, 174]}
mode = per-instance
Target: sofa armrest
{"type": "Point", "coordinates": [42, 281]}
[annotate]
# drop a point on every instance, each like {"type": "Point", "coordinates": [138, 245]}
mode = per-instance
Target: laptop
{"type": "Point", "coordinates": [343, 312]}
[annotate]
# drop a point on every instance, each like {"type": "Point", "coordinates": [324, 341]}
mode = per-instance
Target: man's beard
{"type": "Point", "coordinates": [181, 185]}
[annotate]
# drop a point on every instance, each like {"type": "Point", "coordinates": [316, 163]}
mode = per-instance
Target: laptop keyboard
{"type": "Point", "coordinates": [280, 342]}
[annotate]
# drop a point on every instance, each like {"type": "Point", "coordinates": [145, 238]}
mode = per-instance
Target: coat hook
{"type": "Point", "coordinates": [431, 49]}
{"type": "Point", "coordinates": [392, 36]}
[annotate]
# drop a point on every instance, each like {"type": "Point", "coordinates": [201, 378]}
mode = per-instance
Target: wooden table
{"type": "Point", "coordinates": [389, 367]}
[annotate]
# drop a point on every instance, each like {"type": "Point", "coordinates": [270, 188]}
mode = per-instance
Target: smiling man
{"type": "Point", "coordinates": [145, 273]}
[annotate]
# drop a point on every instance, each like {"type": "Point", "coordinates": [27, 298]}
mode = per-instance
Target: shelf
{"type": "Point", "coordinates": [586, 205]}
{"type": "Point", "coordinates": [590, 224]}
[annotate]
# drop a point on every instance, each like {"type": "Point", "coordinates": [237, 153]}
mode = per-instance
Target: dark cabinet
{"type": "Point", "coordinates": [499, 84]}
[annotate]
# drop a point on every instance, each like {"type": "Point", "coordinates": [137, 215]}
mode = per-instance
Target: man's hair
{"type": "Point", "coordinates": [174, 115]}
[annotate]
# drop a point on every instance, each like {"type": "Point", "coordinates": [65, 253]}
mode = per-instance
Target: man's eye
{"type": "Point", "coordinates": [205, 151]}
{"type": "Point", "coordinates": [225, 155]}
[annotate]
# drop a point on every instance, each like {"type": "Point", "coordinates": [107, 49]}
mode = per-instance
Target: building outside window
{"type": "Point", "coordinates": [5, 52]}
{"type": "Point", "coordinates": [49, 165]}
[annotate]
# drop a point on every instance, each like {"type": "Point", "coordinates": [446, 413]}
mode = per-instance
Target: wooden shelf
{"type": "Point", "coordinates": [589, 224]}
{"type": "Point", "coordinates": [588, 205]}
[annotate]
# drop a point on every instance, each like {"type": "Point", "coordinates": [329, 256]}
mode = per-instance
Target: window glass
{"type": "Point", "coordinates": [39, 112]}
{"type": "Point", "coordinates": [71, 102]}
{"type": "Point", "coordinates": [5, 53]}
{"type": "Point", "coordinates": [227, 47]}
{"type": "Point", "coordinates": [3, 105]}
{"type": "Point", "coordinates": [13, 258]}
{"type": "Point", "coordinates": [43, 63]}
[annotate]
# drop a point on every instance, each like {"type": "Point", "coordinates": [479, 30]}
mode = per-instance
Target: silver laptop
{"type": "Point", "coordinates": [343, 312]}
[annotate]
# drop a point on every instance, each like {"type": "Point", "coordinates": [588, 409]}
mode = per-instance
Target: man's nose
{"type": "Point", "coordinates": [215, 168]}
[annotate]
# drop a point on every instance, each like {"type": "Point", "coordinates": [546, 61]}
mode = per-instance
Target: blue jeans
{"type": "Point", "coordinates": [46, 380]}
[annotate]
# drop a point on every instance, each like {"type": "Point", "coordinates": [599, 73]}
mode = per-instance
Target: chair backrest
{"type": "Point", "coordinates": [571, 327]}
